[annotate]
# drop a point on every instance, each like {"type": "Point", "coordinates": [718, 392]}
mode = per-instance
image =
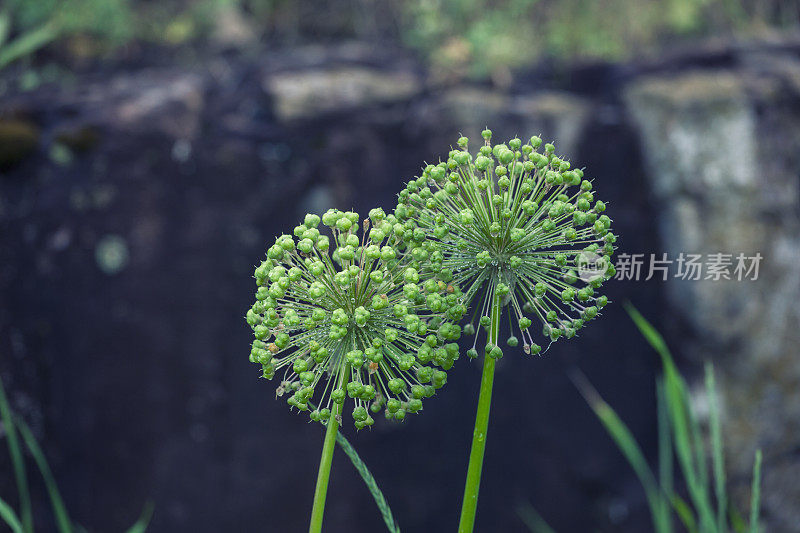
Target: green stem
{"type": "Point", "coordinates": [324, 471]}
{"type": "Point", "coordinates": [469, 505]}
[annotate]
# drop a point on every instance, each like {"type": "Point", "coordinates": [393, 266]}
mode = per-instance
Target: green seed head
{"type": "Point", "coordinates": [522, 225]}
{"type": "Point", "coordinates": [365, 319]}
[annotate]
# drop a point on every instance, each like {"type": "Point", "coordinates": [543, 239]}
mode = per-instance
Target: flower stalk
{"type": "Point", "coordinates": [469, 504]}
{"type": "Point", "coordinates": [321, 492]}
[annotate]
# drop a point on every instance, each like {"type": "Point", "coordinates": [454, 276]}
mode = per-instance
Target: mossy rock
{"type": "Point", "coordinates": [18, 140]}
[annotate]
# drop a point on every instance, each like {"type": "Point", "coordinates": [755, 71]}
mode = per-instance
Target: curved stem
{"type": "Point", "coordinates": [324, 471]}
{"type": "Point", "coordinates": [470, 503]}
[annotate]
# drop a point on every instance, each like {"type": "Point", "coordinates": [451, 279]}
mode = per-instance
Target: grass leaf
{"type": "Point", "coordinates": [144, 519]}
{"type": "Point", "coordinates": [10, 517]}
{"type": "Point", "coordinates": [62, 517]}
{"type": "Point", "coordinates": [665, 458]}
{"type": "Point", "coordinates": [737, 521]}
{"type": "Point", "coordinates": [17, 460]}
{"type": "Point", "coordinates": [532, 519]}
{"type": "Point", "coordinates": [686, 431]}
{"type": "Point", "coordinates": [755, 494]}
{"type": "Point", "coordinates": [5, 25]}
{"type": "Point", "coordinates": [684, 513]}
{"type": "Point", "coordinates": [716, 448]}
{"type": "Point", "coordinates": [650, 334]}
{"type": "Point", "coordinates": [703, 493]}
{"type": "Point", "coordinates": [369, 481]}
{"type": "Point", "coordinates": [28, 43]}
{"type": "Point", "coordinates": [627, 444]}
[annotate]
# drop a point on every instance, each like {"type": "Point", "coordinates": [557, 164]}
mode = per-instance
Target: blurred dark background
{"type": "Point", "coordinates": [151, 150]}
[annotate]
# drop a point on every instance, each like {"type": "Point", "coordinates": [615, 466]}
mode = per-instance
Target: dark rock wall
{"type": "Point", "coordinates": [129, 235]}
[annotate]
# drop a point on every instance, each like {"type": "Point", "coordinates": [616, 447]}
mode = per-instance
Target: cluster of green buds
{"type": "Point", "coordinates": [515, 222]}
{"type": "Point", "coordinates": [373, 318]}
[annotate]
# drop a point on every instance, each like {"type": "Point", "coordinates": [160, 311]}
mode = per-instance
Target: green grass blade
{"type": "Point", "coordinates": [626, 443]}
{"type": "Point", "coordinates": [686, 433]}
{"type": "Point", "coordinates": [650, 334]}
{"type": "Point", "coordinates": [5, 26]}
{"type": "Point", "coordinates": [680, 427]}
{"type": "Point", "coordinates": [144, 520]}
{"type": "Point", "coordinates": [28, 43]}
{"type": "Point", "coordinates": [665, 459]}
{"type": "Point", "coordinates": [716, 448]}
{"type": "Point", "coordinates": [17, 460]}
{"type": "Point", "coordinates": [59, 509]}
{"type": "Point", "coordinates": [755, 494]}
{"type": "Point", "coordinates": [684, 513]}
{"type": "Point", "coordinates": [10, 517]}
{"type": "Point", "coordinates": [737, 521]}
{"type": "Point", "coordinates": [369, 481]}
{"type": "Point", "coordinates": [678, 409]}
{"type": "Point", "coordinates": [699, 448]}
{"type": "Point", "coordinates": [633, 453]}
{"type": "Point", "coordinates": [532, 519]}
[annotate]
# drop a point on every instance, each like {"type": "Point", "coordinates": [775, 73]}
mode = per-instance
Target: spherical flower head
{"type": "Point", "coordinates": [515, 221]}
{"type": "Point", "coordinates": [343, 316]}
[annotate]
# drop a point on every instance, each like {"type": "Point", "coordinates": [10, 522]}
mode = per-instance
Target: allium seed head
{"type": "Point", "coordinates": [370, 318]}
{"type": "Point", "coordinates": [519, 223]}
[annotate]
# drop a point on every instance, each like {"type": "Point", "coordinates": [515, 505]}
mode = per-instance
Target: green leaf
{"type": "Point", "coordinates": [532, 519]}
{"type": "Point", "coordinates": [683, 433]}
{"type": "Point", "coordinates": [17, 460]}
{"type": "Point", "coordinates": [665, 458]}
{"type": "Point", "coordinates": [648, 331]}
{"type": "Point", "coordinates": [369, 481]}
{"type": "Point", "coordinates": [627, 445]}
{"type": "Point", "coordinates": [684, 513]}
{"type": "Point", "coordinates": [5, 26]}
{"type": "Point", "coordinates": [28, 43]}
{"type": "Point", "coordinates": [737, 521]}
{"type": "Point", "coordinates": [755, 494]}
{"type": "Point", "coordinates": [702, 495]}
{"type": "Point", "coordinates": [62, 517]}
{"type": "Point", "coordinates": [686, 431]}
{"type": "Point", "coordinates": [10, 517]}
{"type": "Point", "coordinates": [144, 519]}
{"type": "Point", "coordinates": [716, 448]}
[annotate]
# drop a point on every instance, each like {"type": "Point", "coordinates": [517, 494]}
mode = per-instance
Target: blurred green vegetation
{"type": "Point", "coordinates": [16, 432]}
{"type": "Point", "coordinates": [476, 38]}
{"type": "Point", "coordinates": [485, 38]}
{"type": "Point", "coordinates": [701, 504]}
{"type": "Point", "coordinates": [28, 25]}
